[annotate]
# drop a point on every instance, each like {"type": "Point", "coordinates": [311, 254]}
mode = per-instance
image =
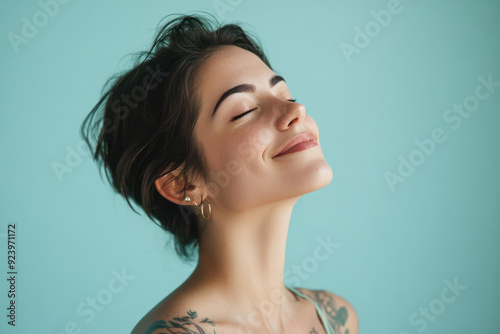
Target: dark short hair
{"type": "Point", "coordinates": [143, 125]}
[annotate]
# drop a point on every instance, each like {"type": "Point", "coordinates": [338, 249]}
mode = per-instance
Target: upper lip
{"type": "Point", "coordinates": [300, 138]}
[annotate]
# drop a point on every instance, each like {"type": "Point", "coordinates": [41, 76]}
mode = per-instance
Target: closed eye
{"type": "Point", "coordinates": [241, 115]}
{"type": "Point", "coordinates": [246, 112]}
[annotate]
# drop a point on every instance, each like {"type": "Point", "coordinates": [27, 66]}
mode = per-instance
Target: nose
{"type": "Point", "coordinates": [291, 113]}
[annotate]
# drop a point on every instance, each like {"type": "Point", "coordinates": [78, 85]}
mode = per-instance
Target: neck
{"type": "Point", "coordinates": [242, 259]}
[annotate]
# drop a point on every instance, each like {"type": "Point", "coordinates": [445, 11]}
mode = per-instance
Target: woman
{"type": "Point", "coordinates": [202, 135]}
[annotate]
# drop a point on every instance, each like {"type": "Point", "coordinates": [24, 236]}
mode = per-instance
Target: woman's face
{"type": "Point", "coordinates": [244, 171]}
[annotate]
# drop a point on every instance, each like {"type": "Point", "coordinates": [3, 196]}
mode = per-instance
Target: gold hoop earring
{"type": "Point", "coordinates": [209, 209]}
{"type": "Point", "coordinates": [187, 199]}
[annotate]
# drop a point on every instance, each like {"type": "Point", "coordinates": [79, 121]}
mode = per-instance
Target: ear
{"type": "Point", "coordinates": [171, 188]}
{"type": "Point", "coordinates": [175, 190]}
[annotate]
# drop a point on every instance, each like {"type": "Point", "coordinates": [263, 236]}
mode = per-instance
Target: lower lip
{"type": "Point", "coordinates": [299, 147]}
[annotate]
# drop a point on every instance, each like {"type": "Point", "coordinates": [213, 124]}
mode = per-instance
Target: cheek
{"type": "Point", "coordinates": [254, 141]}
{"type": "Point", "coordinates": [221, 150]}
{"type": "Point", "coordinates": [244, 147]}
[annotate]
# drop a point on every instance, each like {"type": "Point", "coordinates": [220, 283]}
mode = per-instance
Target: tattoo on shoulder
{"type": "Point", "coordinates": [181, 325]}
{"type": "Point", "coordinates": [337, 316]}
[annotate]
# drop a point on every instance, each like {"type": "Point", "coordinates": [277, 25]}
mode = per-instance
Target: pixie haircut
{"type": "Point", "coordinates": [143, 125]}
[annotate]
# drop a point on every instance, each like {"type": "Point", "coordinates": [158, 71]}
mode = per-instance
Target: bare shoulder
{"type": "Point", "coordinates": [167, 318]}
{"type": "Point", "coordinates": [341, 314]}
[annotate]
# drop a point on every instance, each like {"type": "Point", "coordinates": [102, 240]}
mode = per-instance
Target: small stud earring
{"type": "Point", "coordinates": [187, 198]}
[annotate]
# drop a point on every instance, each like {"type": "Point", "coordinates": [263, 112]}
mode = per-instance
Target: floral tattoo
{"type": "Point", "coordinates": [181, 325]}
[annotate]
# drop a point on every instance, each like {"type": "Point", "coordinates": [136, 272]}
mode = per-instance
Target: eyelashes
{"type": "Point", "coordinates": [246, 112]}
{"type": "Point", "coordinates": [241, 115]}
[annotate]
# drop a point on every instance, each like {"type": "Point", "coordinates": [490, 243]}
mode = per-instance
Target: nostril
{"type": "Point", "coordinates": [293, 120]}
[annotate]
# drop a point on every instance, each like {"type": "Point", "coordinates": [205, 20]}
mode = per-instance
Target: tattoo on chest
{"type": "Point", "coordinates": [181, 325]}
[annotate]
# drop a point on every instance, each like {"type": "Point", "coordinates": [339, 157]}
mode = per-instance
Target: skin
{"type": "Point", "coordinates": [242, 247]}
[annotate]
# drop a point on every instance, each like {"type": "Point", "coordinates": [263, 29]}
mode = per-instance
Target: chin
{"type": "Point", "coordinates": [320, 176]}
{"type": "Point", "coordinates": [324, 175]}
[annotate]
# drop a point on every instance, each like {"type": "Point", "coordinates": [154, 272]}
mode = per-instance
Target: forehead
{"type": "Point", "coordinates": [227, 67]}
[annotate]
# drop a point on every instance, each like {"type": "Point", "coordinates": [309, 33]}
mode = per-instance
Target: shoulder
{"type": "Point", "coordinates": [341, 314]}
{"type": "Point", "coordinates": [174, 319]}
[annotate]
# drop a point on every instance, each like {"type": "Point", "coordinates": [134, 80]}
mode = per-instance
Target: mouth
{"type": "Point", "coordinates": [301, 142]}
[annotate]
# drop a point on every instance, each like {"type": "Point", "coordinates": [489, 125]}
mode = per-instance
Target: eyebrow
{"type": "Point", "coordinates": [245, 88]}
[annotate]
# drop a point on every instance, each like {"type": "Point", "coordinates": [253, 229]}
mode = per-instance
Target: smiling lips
{"type": "Point", "coordinates": [301, 142]}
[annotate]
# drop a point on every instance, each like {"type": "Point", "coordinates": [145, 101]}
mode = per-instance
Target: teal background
{"type": "Point", "coordinates": [396, 248]}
